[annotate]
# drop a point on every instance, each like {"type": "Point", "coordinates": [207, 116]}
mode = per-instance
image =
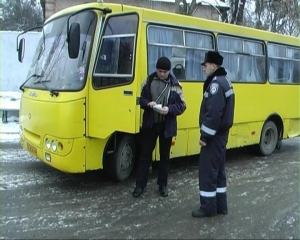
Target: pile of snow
{"type": "Point", "coordinates": [9, 131]}
{"type": "Point", "coordinates": [10, 100]}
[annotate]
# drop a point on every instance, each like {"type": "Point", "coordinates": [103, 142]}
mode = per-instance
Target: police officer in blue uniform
{"type": "Point", "coordinates": [215, 120]}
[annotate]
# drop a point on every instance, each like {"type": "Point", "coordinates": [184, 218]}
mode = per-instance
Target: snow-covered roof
{"type": "Point", "coordinates": [216, 3]}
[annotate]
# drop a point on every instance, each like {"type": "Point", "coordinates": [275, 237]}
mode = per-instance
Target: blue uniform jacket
{"type": "Point", "coordinates": [217, 108]}
{"type": "Point", "coordinates": [176, 105]}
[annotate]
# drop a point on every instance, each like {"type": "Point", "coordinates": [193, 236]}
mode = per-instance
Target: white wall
{"type": "Point", "coordinates": [13, 73]}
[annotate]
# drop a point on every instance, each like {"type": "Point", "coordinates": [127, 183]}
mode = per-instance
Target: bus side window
{"type": "Point", "coordinates": [105, 58]}
{"type": "Point", "coordinates": [283, 64]}
{"type": "Point", "coordinates": [125, 55]}
{"type": "Point", "coordinates": [197, 45]}
{"type": "Point", "coordinates": [193, 68]}
{"type": "Point", "coordinates": [230, 63]}
{"type": "Point", "coordinates": [252, 70]}
{"type": "Point", "coordinates": [185, 48]}
{"type": "Point", "coordinates": [295, 77]}
{"type": "Point", "coordinates": [252, 61]}
{"type": "Point", "coordinates": [279, 71]}
{"type": "Point", "coordinates": [272, 74]}
{"type": "Point", "coordinates": [229, 48]}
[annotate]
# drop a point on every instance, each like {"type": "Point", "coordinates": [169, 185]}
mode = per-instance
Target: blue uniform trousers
{"type": "Point", "coordinates": [212, 177]}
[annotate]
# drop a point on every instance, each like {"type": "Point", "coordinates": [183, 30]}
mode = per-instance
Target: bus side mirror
{"type": "Point", "coordinates": [73, 40]}
{"type": "Point", "coordinates": [21, 50]}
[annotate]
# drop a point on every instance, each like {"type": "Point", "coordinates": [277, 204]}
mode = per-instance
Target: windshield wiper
{"type": "Point", "coordinates": [52, 92]}
{"type": "Point", "coordinates": [41, 81]}
{"type": "Point", "coordinates": [33, 75]}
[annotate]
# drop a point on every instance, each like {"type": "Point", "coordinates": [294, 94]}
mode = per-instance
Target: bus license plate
{"type": "Point", "coordinates": [31, 149]}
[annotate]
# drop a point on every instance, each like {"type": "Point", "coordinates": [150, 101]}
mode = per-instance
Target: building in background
{"type": "Point", "coordinates": [209, 9]}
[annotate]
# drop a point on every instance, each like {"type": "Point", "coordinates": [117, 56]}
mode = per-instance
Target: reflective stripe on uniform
{"type": "Point", "coordinates": [208, 130]}
{"type": "Point", "coordinates": [221, 190]}
{"type": "Point", "coordinates": [229, 93]}
{"type": "Point", "coordinates": [208, 194]}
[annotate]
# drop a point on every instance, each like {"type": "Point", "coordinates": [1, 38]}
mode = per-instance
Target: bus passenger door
{"type": "Point", "coordinates": [113, 94]}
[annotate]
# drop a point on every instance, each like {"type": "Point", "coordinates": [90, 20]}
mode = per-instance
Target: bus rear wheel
{"type": "Point", "coordinates": [268, 139]}
{"type": "Point", "coordinates": [119, 165]}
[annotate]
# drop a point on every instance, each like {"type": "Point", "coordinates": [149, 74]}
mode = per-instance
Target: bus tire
{"type": "Point", "coordinates": [268, 139]}
{"type": "Point", "coordinates": [120, 164]}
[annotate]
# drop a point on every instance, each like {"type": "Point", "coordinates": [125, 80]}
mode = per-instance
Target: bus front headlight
{"type": "Point", "coordinates": [54, 146]}
{"type": "Point", "coordinates": [20, 130]}
{"type": "Point", "coordinates": [47, 144]}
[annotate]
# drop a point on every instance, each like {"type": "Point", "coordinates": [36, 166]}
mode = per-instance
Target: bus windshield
{"type": "Point", "coordinates": [51, 66]}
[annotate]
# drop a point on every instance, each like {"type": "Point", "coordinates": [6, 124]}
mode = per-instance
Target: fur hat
{"type": "Point", "coordinates": [213, 57]}
{"type": "Point", "coordinates": [163, 63]}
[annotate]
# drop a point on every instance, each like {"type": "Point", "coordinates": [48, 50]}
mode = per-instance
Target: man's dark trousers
{"type": "Point", "coordinates": [149, 138]}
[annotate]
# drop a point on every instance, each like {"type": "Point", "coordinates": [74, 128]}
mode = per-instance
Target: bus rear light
{"type": "Point", "coordinates": [48, 157]}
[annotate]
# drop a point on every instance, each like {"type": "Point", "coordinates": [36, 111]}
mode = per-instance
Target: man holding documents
{"type": "Point", "coordinates": [162, 101]}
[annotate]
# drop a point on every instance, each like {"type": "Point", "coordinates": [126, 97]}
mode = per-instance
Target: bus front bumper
{"type": "Point", "coordinates": [72, 161]}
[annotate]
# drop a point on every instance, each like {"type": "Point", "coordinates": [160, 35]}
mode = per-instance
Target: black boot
{"type": "Point", "coordinates": [200, 214]}
{"type": "Point", "coordinates": [163, 191]}
{"type": "Point", "coordinates": [137, 192]}
{"type": "Point", "coordinates": [223, 212]}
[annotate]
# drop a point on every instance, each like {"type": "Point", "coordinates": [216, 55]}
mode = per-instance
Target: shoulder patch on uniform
{"type": "Point", "coordinates": [214, 88]}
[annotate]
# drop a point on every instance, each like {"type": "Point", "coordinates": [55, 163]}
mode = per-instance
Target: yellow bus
{"type": "Point", "coordinates": [79, 107]}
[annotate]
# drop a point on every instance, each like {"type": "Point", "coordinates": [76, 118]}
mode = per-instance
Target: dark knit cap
{"type": "Point", "coordinates": [163, 63]}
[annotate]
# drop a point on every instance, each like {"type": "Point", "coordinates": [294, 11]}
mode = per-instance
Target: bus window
{"type": "Point", "coordinates": [229, 47]}
{"type": "Point", "coordinates": [283, 64]}
{"type": "Point", "coordinates": [115, 61]}
{"type": "Point", "coordinates": [294, 71]}
{"type": "Point", "coordinates": [197, 45]}
{"type": "Point", "coordinates": [116, 56]}
{"type": "Point", "coordinates": [121, 24]}
{"type": "Point", "coordinates": [255, 62]}
{"type": "Point", "coordinates": [244, 60]}
{"type": "Point", "coordinates": [186, 50]}
{"type": "Point", "coordinates": [161, 40]}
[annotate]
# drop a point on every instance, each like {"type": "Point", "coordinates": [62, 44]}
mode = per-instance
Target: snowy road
{"type": "Point", "coordinates": [40, 202]}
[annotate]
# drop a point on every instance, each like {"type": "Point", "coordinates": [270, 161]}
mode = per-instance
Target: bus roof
{"type": "Point", "coordinates": [196, 23]}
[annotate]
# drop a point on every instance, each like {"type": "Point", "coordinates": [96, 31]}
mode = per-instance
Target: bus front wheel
{"type": "Point", "coordinates": [268, 139]}
{"type": "Point", "coordinates": [119, 165]}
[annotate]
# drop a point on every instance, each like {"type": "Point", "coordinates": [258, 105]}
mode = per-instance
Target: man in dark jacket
{"type": "Point", "coordinates": [215, 120]}
{"type": "Point", "coordinates": [162, 100]}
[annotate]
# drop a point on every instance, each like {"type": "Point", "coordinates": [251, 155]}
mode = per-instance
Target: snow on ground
{"type": "Point", "coordinates": [9, 132]}
{"type": "Point", "coordinates": [10, 100]}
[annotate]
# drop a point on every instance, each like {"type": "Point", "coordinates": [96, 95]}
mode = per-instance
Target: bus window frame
{"type": "Point", "coordinates": [102, 36]}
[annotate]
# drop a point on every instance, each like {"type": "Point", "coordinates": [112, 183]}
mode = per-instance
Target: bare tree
{"type": "Point", "coordinates": [19, 15]}
{"type": "Point", "coordinates": [43, 5]}
{"type": "Point", "coordinates": [182, 7]}
{"type": "Point", "coordinates": [290, 21]}
{"type": "Point", "coordinates": [236, 13]}
{"type": "Point", "coordinates": [280, 16]}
